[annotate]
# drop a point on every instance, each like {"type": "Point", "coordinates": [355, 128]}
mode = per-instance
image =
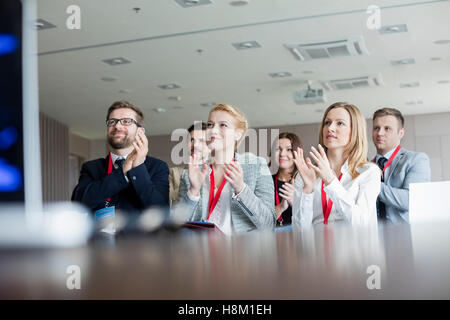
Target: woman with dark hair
{"type": "Point", "coordinates": [284, 178]}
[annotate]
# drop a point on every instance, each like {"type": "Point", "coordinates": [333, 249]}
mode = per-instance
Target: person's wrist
{"type": "Point", "coordinates": [239, 188]}
{"type": "Point", "coordinates": [194, 192]}
{"type": "Point", "coordinates": [328, 179]}
{"type": "Point", "coordinates": [308, 189]}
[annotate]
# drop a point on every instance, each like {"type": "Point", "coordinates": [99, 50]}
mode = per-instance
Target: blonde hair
{"type": "Point", "coordinates": [240, 119]}
{"type": "Point", "coordinates": [357, 148]}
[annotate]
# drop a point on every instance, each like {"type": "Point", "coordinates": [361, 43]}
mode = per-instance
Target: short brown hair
{"type": "Point", "coordinates": [192, 127]}
{"type": "Point", "coordinates": [126, 105]}
{"type": "Point", "coordinates": [390, 112]}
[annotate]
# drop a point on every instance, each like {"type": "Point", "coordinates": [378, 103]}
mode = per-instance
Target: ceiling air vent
{"type": "Point", "coordinates": [353, 46]}
{"type": "Point", "coordinates": [353, 83]}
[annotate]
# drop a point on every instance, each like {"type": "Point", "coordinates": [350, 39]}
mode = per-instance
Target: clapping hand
{"type": "Point", "coordinates": [287, 193]}
{"type": "Point", "coordinates": [196, 176]}
{"type": "Point", "coordinates": [128, 164]}
{"type": "Point", "coordinates": [140, 148]}
{"type": "Point", "coordinates": [322, 167]}
{"type": "Point", "coordinates": [235, 176]}
{"type": "Point", "coordinates": [305, 170]}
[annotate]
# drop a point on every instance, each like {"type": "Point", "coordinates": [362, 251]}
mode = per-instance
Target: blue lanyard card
{"type": "Point", "coordinates": [104, 213]}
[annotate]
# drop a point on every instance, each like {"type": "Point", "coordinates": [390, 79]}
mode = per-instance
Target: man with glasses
{"type": "Point", "coordinates": [127, 179]}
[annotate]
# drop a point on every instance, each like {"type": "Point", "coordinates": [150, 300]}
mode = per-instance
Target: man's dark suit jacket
{"type": "Point", "coordinates": [148, 185]}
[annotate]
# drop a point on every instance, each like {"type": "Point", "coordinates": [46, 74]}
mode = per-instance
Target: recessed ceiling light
{"type": "Point", "coordinates": [246, 45]}
{"type": "Point", "coordinates": [393, 29]}
{"type": "Point", "coordinates": [412, 102]}
{"type": "Point", "coordinates": [41, 24]}
{"type": "Point", "coordinates": [435, 58]}
{"type": "Point", "coordinates": [208, 104]}
{"type": "Point", "coordinates": [116, 61]}
{"type": "Point", "coordinates": [443, 41]}
{"type": "Point", "coordinates": [403, 62]}
{"type": "Point", "coordinates": [169, 86]}
{"type": "Point", "coordinates": [239, 3]}
{"type": "Point", "coordinates": [192, 3]}
{"type": "Point", "coordinates": [409, 85]}
{"type": "Point", "coordinates": [109, 79]}
{"type": "Point", "coordinates": [160, 110]}
{"type": "Point", "coordinates": [443, 81]}
{"type": "Point", "coordinates": [280, 74]}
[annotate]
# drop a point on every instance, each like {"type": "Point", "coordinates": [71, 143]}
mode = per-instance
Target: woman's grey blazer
{"type": "Point", "coordinates": [254, 208]}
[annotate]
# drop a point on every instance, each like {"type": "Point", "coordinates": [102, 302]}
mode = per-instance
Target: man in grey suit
{"type": "Point", "coordinates": [400, 167]}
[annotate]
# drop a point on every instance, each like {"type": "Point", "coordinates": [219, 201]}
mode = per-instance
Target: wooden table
{"type": "Point", "coordinates": [328, 262]}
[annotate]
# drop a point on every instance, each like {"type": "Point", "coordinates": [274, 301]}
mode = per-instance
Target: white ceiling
{"type": "Point", "coordinates": [162, 40]}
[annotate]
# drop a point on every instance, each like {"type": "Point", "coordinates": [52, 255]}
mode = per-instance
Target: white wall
{"type": "Point", "coordinates": [424, 133]}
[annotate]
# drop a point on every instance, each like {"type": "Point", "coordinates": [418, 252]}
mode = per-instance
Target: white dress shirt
{"type": "Point", "coordinates": [354, 200]}
{"type": "Point", "coordinates": [221, 215]}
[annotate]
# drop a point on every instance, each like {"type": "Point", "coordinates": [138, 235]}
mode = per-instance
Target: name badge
{"type": "Point", "coordinates": [104, 220]}
{"type": "Point", "coordinates": [104, 213]}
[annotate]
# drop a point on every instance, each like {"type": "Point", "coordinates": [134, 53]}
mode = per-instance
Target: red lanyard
{"type": "Point", "coordinates": [390, 159]}
{"type": "Point", "coordinates": [110, 167]}
{"type": "Point", "coordinates": [277, 198]}
{"type": "Point", "coordinates": [326, 208]}
{"type": "Point", "coordinates": [214, 199]}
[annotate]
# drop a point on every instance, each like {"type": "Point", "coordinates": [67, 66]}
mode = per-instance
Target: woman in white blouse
{"type": "Point", "coordinates": [339, 184]}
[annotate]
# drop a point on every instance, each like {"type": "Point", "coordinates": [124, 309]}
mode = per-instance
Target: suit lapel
{"type": "Point", "coordinates": [394, 163]}
{"type": "Point", "coordinates": [104, 166]}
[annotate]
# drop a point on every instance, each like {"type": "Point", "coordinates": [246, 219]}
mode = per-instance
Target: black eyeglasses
{"type": "Point", "coordinates": [124, 121]}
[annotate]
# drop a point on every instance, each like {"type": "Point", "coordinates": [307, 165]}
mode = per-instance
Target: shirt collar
{"type": "Point", "coordinates": [344, 167]}
{"type": "Point", "coordinates": [387, 155]}
{"type": "Point", "coordinates": [114, 157]}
